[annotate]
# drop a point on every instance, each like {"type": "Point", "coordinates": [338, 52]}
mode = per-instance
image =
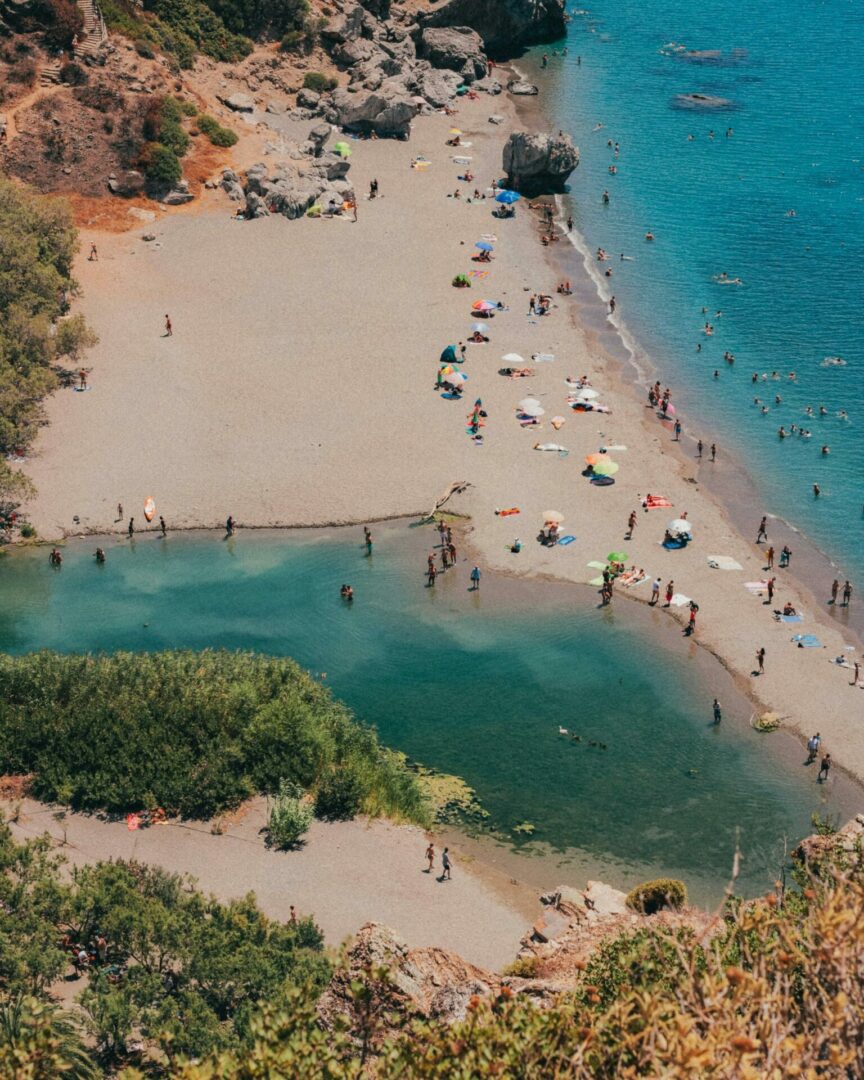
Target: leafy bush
{"type": "Point", "coordinates": [187, 108]}
{"type": "Point", "coordinates": [73, 74]}
{"type": "Point", "coordinates": [161, 165]}
{"type": "Point", "coordinates": [174, 137]}
{"type": "Point", "coordinates": [194, 733]}
{"type": "Point", "coordinates": [24, 72]}
{"type": "Point", "coordinates": [260, 18]}
{"type": "Point", "coordinates": [145, 49]}
{"type": "Point", "coordinates": [28, 531]}
{"type": "Point", "coordinates": [203, 27]}
{"type": "Point", "coordinates": [290, 817]}
{"type": "Point", "coordinates": [654, 896]}
{"type": "Point", "coordinates": [524, 967]}
{"type": "Point", "coordinates": [319, 82]}
{"type": "Point", "coordinates": [218, 135]}
{"type": "Point", "coordinates": [64, 22]}
{"type": "Point", "coordinates": [292, 40]}
{"type": "Point", "coordinates": [339, 796]}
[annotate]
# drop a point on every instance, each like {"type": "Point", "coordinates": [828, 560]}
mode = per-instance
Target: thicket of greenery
{"type": "Point", "coordinates": [37, 244]}
{"type": "Point", "coordinates": [192, 733]}
{"type": "Point", "coordinates": [179, 971]}
{"type": "Point", "coordinates": [218, 135]}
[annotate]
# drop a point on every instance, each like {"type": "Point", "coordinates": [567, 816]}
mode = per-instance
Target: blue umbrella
{"type": "Point", "coordinates": [508, 197]}
{"type": "Point", "coordinates": [449, 355]}
{"type": "Point", "coordinates": [484, 245]}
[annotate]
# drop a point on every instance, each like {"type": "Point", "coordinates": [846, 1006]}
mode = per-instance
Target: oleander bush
{"type": "Point", "coordinates": [191, 732]}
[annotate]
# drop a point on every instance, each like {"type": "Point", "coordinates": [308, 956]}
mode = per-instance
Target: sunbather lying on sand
{"type": "Point", "coordinates": [518, 372]}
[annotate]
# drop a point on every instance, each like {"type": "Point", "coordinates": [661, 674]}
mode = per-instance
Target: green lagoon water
{"type": "Point", "coordinates": [470, 683]}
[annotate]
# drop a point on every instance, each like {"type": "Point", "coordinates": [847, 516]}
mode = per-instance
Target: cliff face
{"type": "Point", "coordinates": [506, 26]}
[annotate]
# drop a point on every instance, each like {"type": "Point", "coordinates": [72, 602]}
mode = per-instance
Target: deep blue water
{"type": "Point", "coordinates": [475, 684]}
{"type": "Point", "coordinates": [795, 79]}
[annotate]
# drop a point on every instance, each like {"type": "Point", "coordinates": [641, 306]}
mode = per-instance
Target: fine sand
{"type": "Point", "coordinates": [297, 389]}
{"type": "Point", "coordinates": [348, 873]}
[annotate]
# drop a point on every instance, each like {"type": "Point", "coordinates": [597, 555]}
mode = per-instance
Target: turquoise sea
{"type": "Point", "coordinates": [474, 683]}
{"type": "Point", "coordinates": [794, 80]}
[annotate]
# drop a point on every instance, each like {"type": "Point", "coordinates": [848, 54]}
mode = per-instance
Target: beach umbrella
{"type": "Point", "coordinates": [670, 410]}
{"type": "Point", "coordinates": [455, 131]}
{"type": "Point", "coordinates": [680, 525]}
{"type": "Point", "coordinates": [617, 556]}
{"type": "Point", "coordinates": [552, 517]}
{"type": "Point", "coordinates": [605, 468]}
{"type": "Point", "coordinates": [342, 149]}
{"type": "Point", "coordinates": [595, 459]}
{"type": "Point", "coordinates": [528, 402]}
{"type": "Point", "coordinates": [532, 410]}
{"type": "Point", "coordinates": [448, 356]}
{"type": "Point", "coordinates": [483, 245]}
{"type": "Point", "coordinates": [457, 378]}
{"type": "Point", "coordinates": [479, 328]}
{"type": "Point", "coordinates": [508, 197]}
{"type": "Point", "coordinates": [448, 369]}
{"type": "Point", "coordinates": [513, 358]}
{"type": "Point", "coordinates": [483, 305]}
{"type": "Point", "coordinates": [587, 394]}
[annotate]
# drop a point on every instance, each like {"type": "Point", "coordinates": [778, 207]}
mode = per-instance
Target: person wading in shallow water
{"type": "Point", "coordinates": [718, 712]}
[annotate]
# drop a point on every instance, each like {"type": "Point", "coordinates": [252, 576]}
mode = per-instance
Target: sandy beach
{"type": "Point", "coordinates": [298, 389]}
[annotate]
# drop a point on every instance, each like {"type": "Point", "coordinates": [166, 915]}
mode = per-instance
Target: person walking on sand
{"type": "Point", "coordinates": [855, 674]}
{"type": "Point", "coordinates": [119, 511]}
{"type": "Point", "coordinates": [691, 628]}
{"type": "Point", "coordinates": [824, 769]}
{"type": "Point", "coordinates": [763, 531]}
{"type": "Point", "coordinates": [760, 661]}
{"type": "Point", "coordinates": [611, 305]}
{"type": "Point", "coordinates": [169, 329]}
{"type": "Point", "coordinates": [94, 254]}
{"type": "Point", "coordinates": [785, 557]}
{"type": "Point", "coordinates": [770, 586]}
{"type": "Point", "coordinates": [569, 224]}
{"type": "Point", "coordinates": [835, 588]}
{"type": "Point", "coordinates": [430, 858]}
{"type": "Point", "coordinates": [655, 592]}
{"type": "Point", "coordinates": [670, 592]}
{"type": "Point", "coordinates": [677, 431]}
{"type": "Point", "coordinates": [631, 524]}
{"type": "Point", "coordinates": [718, 711]}
{"type": "Point", "coordinates": [813, 748]}
{"type": "Point", "coordinates": [713, 451]}
{"type": "Point", "coordinates": [769, 558]}
{"type": "Point", "coordinates": [163, 527]}
{"type": "Point", "coordinates": [847, 594]}
{"type": "Point", "coordinates": [131, 529]}
{"type": "Point", "coordinates": [475, 579]}
{"type": "Point", "coordinates": [445, 865]}
{"type": "Point", "coordinates": [82, 379]}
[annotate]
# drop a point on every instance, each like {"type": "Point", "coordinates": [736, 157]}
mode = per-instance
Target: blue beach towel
{"type": "Point", "coordinates": [807, 641]}
{"type": "Point", "coordinates": [791, 618]}
{"type": "Point", "coordinates": [565, 540]}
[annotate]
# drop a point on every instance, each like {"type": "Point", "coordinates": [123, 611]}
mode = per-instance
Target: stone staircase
{"type": "Point", "coordinates": [87, 44]}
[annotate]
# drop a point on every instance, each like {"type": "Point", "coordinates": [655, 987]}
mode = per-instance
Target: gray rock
{"type": "Point", "coordinates": [318, 136]}
{"type": "Point", "coordinates": [276, 108]}
{"type": "Point", "coordinates": [234, 190]}
{"type": "Point", "coordinates": [308, 99]}
{"type": "Point", "coordinates": [538, 163]}
{"type": "Point", "coordinates": [504, 25]}
{"type": "Point", "coordinates": [522, 88]}
{"type": "Point", "coordinates": [256, 177]}
{"type": "Point", "coordinates": [457, 48]}
{"type": "Point", "coordinates": [489, 86]}
{"type": "Point", "coordinates": [256, 207]}
{"type": "Point", "coordinates": [127, 184]}
{"type": "Point", "coordinates": [439, 87]}
{"type": "Point", "coordinates": [358, 51]}
{"type": "Point", "coordinates": [347, 28]}
{"type": "Point", "coordinates": [149, 236]}
{"type": "Point", "coordinates": [496, 118]}
{"type": "Point", "coordinates": [388, 111]}
{"type": "Point", "coordinates": [331, 166]}
{"type": "Point", "coordinates": [229, 174]}
{"type": "Point", "coordinates": [239, 102]}
{"type": "Point", "coordinates": [701, 101]}
{"type": "Point", "coordinates": [177, 198]}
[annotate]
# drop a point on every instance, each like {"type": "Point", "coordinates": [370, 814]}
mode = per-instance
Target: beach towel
{"type": "Point", "coordinates": [459, 159]}
{"type": "Point", "coordinates": [807, 641]}
{"type": "Point", "coordinates": [616, 447]}
{"type": "Point", "coordinates": [674, 545]}
{"type": "Point", "coordinates": [679, 599]}
{"type": "Point", "coordinates": [654, 502]}
{"type": "Point", "coordinates": [565, 540]}
{"type": "Point", "coordinates": [596, 581]}
{"type": "Point", "coordinates": [478, 273]}
{"type": "Point", "coordinates": [790, 618]}
{"type": "Point", "coordinates": [756, 586]}
{"type": "Point", "coordinates": [510, 510]}
{"type": "Point", "coordinates": [595, 565]}
{"type": "Point", "coordinates": [553, 446]}
{"type": "Point", "coordinates": [543, 357]}
{"type": "Point", "coordinates": [723, 562]}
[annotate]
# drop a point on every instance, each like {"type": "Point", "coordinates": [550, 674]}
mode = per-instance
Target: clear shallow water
{"type": "Point", "coordinates": [474, 684]}
{"type": "Point", "coordinates": [797, 87]}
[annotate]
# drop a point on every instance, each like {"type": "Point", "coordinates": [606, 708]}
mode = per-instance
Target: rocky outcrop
{"type": "Point", "coordinates": [239, 102]}
{"type": "Point", "coordinates": [522, 88]}
{"type": "Point", "coordinates": [387, 111]}
{"type": "Point", "coordinates": [456, 48]}
{"type": "Point", "coordinates": [504, 25]}
{"type": "Point", "coordinates": [539, 163]}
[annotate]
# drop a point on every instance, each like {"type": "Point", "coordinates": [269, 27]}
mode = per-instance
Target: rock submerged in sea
{"type": "Point", "coordinates": [522, 88]}
{"type": "Point", "coordinates": [538, 163]}
{"type": "Point", "coordinates": [701, 101]}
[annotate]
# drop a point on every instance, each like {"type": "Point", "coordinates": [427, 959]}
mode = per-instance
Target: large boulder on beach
{"type": "Point", "coordinates": [438, 87]}
{"type": "Point", "coordinates": [522, 88]}
{"type": "Point", "coordinates": [539, 163]}
{"type": "Point", "coordinates": [331, 166]}
{"type": "Point", "coordinates": [239, 102]}
{"type": "Point", "coordinates": [387, 111]}
{"type": "Point", "coordinates": [317, 137]}
{"type": "Point", "coordinates": [504, 25]}
{"type": "Point", "coordinates": [456, 48]}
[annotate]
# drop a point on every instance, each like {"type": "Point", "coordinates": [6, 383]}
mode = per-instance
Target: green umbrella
{"type": "Point", "coordinates": [617, 556]}
{"type": "Point", "coordinates": [605, 468]}
{"type": "Point", "coordinates": [342, 149]}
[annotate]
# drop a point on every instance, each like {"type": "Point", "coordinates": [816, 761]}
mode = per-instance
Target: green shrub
{"type": "Point", "coordinates": [64, 22]}
{"type": "Point", "coordinates": [339, 796]}
{"type": "Point", "coordinates": [654, 896]}
{"type": "Point", "coordinates": [174, 137]}
{"type": "Point", "coordinates": [319, 82]}
{"type": "Point", "coordinates": [27, 530]}
{"type": "Point", "coordinates": [73, 74]}
{"type": "Point", "coordinates": [290, 817]}
{"type": "Point", "coordinates": [292, 41]}
{"type": "Point", "coordinates": [145, 49]}
{"type": "Point", "coordinates": [161, 165]}
{"type": "Point", "coordinates": [524, 967]}
{"type": "Point", "coordinates": [218, 135]}
{"type": "Point", "coordinates": [24, 72]}
{"type": "Point", "coordinates": [186, 107]}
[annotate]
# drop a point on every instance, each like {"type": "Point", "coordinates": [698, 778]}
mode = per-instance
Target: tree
{"type": "Point", "coordinates": [38, 1041]}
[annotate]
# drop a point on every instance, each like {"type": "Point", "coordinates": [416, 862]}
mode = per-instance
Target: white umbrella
{"type": "Point", "coordinates": [527, 402]}
{"type": "Point", "coordinates": [513, 358]}
{"type": "Point", "coordinates": [680, 525]}
{"type": "Point", "coordinates": [532, 410]}
{"type": "Point", "coordinates": [587, 394]}
{"type": "Point", "coordinates": [456, 378]}
{"type": "Point", "coordinates": [554, 517]}
{"type": "Point", "coordinates": [479, 328]}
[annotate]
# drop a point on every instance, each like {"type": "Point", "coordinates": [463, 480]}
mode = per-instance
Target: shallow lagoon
{"type": "Point", "coordinates": [471, 683]}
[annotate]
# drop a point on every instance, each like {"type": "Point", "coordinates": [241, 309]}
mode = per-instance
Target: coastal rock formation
{"type": "Point", "coordinates": [504, 25]}
{"type": "Point", "coordinates": [457, 48]}
{"type": "Point", "coordinates": [290, 190]}
{"type": "Point", "coordinates": [239, 102]}
{"type": "Point", "coordinates": [521, 88]}
{"type": "Point", "coordinates": [387, 111]}
{"type": "Point", "coordinates": [539, 163]}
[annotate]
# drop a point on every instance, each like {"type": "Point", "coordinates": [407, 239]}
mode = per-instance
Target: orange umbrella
{"type": "Point", "coordinates": [595, 459]}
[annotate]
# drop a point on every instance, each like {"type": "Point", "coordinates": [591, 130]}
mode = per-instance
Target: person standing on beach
{"type": "Point", "coordinates": [769, 558]}
{"type": "Point", "coordinates": [855, 674]}
{"type": "Point", "coordinates": [131, 529]}
{"type": "Point", "coordinates": [824, 769]}
{"type": "Point", "coordinates": [430, 857]}
{"type": "Point", "coordinates": [835, 588]}
{"type": "Point", "coordinates": [813, 748]}
{"type": "Point", "coordinates": [368, 543]}
{"type": "Point", "coordinates": [445, 865]}
{"type": "Point", "coordinates": [569, 224]}
{"type": "Point", "coordinates": [694, 607]}
{"type": "Point", "coordinates": [760, 661]}
{"type": "Point", "coordinates": [713, 452]}
{"type": "Point", "coordinates": [677, 431]}
{"type": "Point", "coordinates": [94, 254]}
{"type": "Point", "coordinates": [631, 525]}
{"type": "Point", "coordinates": [771, 582]}
{"type": "Point", "coordinates": [611, 305]}
{"type": "Point", "coordinates": [169, 329]}
{"type": "Point", "coordinates": [670, 592]}
{"type": "Point", "coordinates": [785, 557]}
{"type": "Point", "coordinates": [699, 449]}
{"type": "Point", "coordinates": [718, 711]}
{"type": "Point", "coordinates": [847, 594]}
{"type": "Point", "coordinates": [655, 591]}
{"type": "Point", "coordinates": [763, 531]}
{"type": "Point", "coordinates": [119, 511]}
{"type": "Point", "coordinates": [163, 526]}
{"type": "Point", "coordinates": [431, 574]}
{"type": "Point", "coordinates": [475, 585]}
{"type": "Point", "coordinates": [229, 525]}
